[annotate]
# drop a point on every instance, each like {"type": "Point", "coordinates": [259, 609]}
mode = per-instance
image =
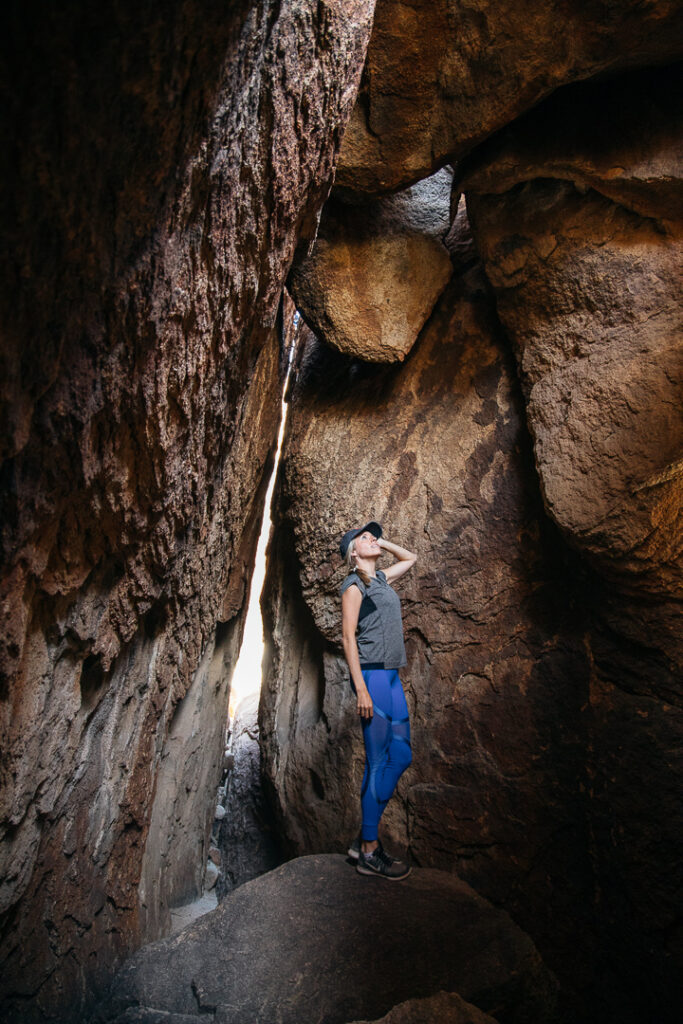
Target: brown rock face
{"type": "Point", "coordinates": [165, 167]}
{"type": "Point", "coordinates": [376, 270]}
{"type": "Point", "coordinates": [589, 290]}
{"type": "Point", "coordinates": [584, 253]}
{"type": "Point", "coordinates": [583, 250]}
{"type": "Point", "coordinates": [437, 451]}
{"type": "Point", "coordinates": [442, 75]}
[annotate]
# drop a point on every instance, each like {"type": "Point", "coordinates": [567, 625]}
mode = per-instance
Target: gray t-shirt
{"type": "Point", "coordinates": [379, 633]}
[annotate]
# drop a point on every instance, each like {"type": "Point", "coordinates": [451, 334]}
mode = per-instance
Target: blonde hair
{"type": "Point", "coordinates": [351, 550]}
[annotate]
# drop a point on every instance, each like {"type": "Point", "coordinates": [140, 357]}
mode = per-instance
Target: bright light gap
{"type": "Point", "coordinates": [247, 676]}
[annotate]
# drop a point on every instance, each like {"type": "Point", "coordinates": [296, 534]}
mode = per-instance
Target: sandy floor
{"type": "Point", "coordinates": [182, 916]}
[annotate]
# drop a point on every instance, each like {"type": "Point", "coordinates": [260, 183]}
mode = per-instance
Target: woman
{"type": "Point", "coordinates": [372, 633]}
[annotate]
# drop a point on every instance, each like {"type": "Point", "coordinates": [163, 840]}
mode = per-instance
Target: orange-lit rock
{"type": "Point", "coordinates": [442, 75]}
{"type": "Point", "coordinates": [436, 449]}
{"type": "Point", "coordinates": [376, 270]}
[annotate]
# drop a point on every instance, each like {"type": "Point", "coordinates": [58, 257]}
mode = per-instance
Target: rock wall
{"type": "Point", "coordinates": [498, 673]}
{"type": "Point", "coordinates": [582, 243]}
{"type": "Point", "coordinates": [581, 239]}
{"type": "Point", "coordinates": [529, 450]}
{"type": "Point", "coordinates": [442, 75]}
{"type": "Point", "coordinates": [164, 167]}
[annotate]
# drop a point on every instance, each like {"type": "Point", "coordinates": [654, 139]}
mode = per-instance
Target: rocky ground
{"type": "Point", "coordinates": [315, 941]}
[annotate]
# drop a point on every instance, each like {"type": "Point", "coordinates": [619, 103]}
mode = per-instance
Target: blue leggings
{"type": "Point", "coordinates": [387, 745]}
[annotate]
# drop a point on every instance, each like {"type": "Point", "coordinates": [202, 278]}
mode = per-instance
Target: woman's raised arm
{"type": "Point", "coordinates": [406, 559]}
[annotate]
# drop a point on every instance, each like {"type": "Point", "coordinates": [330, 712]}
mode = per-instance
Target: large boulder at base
{"type": "Point", "coordinates": [315, 941]}
{"type": "Point", "coordinates": [442, 1008]}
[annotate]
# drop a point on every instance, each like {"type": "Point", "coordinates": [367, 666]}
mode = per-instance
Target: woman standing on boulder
{"type": "Point", "coordinates": [372, 633]}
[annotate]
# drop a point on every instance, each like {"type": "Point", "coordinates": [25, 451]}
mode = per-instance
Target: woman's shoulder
{"type": "Point", "coordinates": [353, 577]}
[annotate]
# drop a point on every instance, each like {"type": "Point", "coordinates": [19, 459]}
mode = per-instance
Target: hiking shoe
{"type": "Point", "coordinates": [379, 862]}
{"type": "Point", "coordinates": [354, 848]}
{"type": "Point", "coordinates": [392, 861]}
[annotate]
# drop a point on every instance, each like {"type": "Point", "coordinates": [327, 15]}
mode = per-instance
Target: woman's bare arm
{"type": "Point", "coordinates": [351, 602]}
{"type": "Point", "coordinates": [406, 559]}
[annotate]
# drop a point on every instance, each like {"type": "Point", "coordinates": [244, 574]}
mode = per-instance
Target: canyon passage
{"type": "Point", "coordinates": [451, 233]}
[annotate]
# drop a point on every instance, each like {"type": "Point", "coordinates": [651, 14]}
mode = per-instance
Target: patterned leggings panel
{"type": "Point", "coordinates": [387, 745]}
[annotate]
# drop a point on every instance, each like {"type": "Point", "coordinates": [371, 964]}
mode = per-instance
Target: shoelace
{"type": "Point", "coordinates": [386, 857]}
{"type": "Point", "coordinates": [382, 855]}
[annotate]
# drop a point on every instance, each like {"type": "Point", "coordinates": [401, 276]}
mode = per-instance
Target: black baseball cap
{"type": "Point", "coordinates": [374, 528]}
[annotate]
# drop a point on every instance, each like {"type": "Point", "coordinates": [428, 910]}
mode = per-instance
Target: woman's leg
{"type": "Point", "coordinates": [387, 746]}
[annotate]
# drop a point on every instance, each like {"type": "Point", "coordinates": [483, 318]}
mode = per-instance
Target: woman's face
{"type": "Point", "coordinates": [366, 545]}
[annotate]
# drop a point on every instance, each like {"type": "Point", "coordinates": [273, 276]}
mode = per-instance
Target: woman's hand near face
{"type": "Point", "coordinates": [406, 559]}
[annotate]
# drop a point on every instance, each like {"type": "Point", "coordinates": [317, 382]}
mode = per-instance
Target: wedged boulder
{"type": "Point", "coordinates": [315, 941]}
{"type": "Point", "coordinates": [441, 75]}
{"type": "Point", "coordinates": [376, 270]}
{"type": "Point", "coordinates": [443, 1008]}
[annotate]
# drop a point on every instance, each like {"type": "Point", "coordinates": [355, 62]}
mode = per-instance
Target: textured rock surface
{"type": "Point", "coordinates": [584, 252]}
{"type": "Point", "coordinates": [620, 137]}
{"type": "Point", "coordinates": [441, 75]}
{"type": "Point", "coordinates": [315, 941]}
{"type": "Point", "coordinates": [443, 1008]}
{"type": "Point", "coordinates": [164, 169]}
{"type": "Point", "coordinates": [247, 841]}
{"type": "Point", "coordinates": [435, 449]}
{"type": "Point", "coordinates": [376, 270]}
{"type": "Point", "coordinates": [585, 260]}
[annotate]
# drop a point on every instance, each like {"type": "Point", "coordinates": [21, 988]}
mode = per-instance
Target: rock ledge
{"type": "Point", "coordinates": [314, 941]}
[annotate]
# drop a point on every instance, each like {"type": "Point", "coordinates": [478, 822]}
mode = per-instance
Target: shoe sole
{"type": "Point", "coordinates": [362, 870]}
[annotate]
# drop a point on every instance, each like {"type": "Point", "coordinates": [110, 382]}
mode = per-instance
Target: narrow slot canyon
{"type": "Point", "coordinates": [272, 270]}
